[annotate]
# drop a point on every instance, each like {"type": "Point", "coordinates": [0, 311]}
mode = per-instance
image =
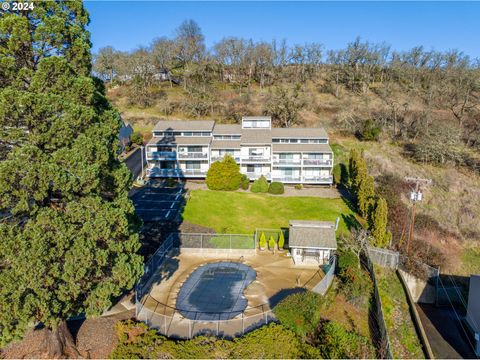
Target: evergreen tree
{"type": "Point", "coordinates": [357, 170]}
{"type": "Point", "coordinates": [377, 223]}
{"type": "Point", "coordinates": [224, 174]}
{"type": "Point", "coordinates": [281, 241]}
{"type": "Point", "coordinates": [271, 243]}
{"type": "Point", "coordinates": [263, 240]}
{"type": "Point", "coordinates": [366, 191]}
{"type": "Point", "coordinates": [68, 231]}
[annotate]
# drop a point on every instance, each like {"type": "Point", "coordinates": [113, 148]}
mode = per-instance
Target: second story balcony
{"type": "Point", "coordinates": [161, 155]}
{"type": "Point", "coordinates": [277, 161]}
{"type": "Point", "coordinates": [256, 159]}
{"type": "Point", "coordinates": [220, 157]}
{"type": "Point", "coordinates": [193, 155]}
{"type": "Point", "coordinates": [317, 162]}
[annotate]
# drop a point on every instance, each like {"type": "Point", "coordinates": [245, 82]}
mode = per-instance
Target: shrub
{"type": "Point", "coordinates": [298, 186]}
{"type": "Point", "coordinates": [281, 241]}
{"type": "Point", "coordinates": [300, 312]}
{"type": "Point", "coordinates": [263, 240]}
{"type": "Point", "coordinates": [370, 131]}
{"type": "Point", "coordinates": [337, 174]}
{"type": "Point", "coordinates": [336, 342]}
{"type": "Point", "coordinates": [272, 341]}
{"type": "Point", "coordinates": [136, 138]}
{"type": "Point", "coordinates": [271, 243]}
{"type": "Point", "coordinates": [245, 182]}
{"type": "Point", "coordinates": [224, 175]}
{"type": "Point", "coordinates": [356, 283]}
{"type": "Point", "coordinates": [260, 185]}
{"type": "Point", "coordinates": [276, 188]}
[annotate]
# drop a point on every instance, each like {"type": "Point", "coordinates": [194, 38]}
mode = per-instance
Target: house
{"type": "Point", "coordinates": [186, 149]}
{"type": "Point", "coordinates": [124, 135]}
{"type": "Point", "coordinates": [312, 242]}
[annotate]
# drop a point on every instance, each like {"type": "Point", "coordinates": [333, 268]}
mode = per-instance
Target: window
{"type": "Point", "coordinates": [286, 156]}
{"type": "Point", "coordinates": [223, 152]}
{"type": "Point", "coordinates": [194, 149]}
{"type": "Point", "coordinates": [192, 165]}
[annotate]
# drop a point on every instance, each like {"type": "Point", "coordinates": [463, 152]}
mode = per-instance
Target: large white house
{"type": "Point", "coordinates": [185, 149]}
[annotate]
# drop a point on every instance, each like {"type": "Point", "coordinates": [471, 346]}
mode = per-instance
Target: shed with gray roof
{"type": "Point", "coordinates": [312, 242]}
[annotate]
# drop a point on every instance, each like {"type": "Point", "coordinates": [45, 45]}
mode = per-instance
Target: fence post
{"type": "Point", "coordinates": [243, 325]}
{"type": "Point", "coordinates": [201, 241]}
{"type": "Point", "coordinates": [230, 242]}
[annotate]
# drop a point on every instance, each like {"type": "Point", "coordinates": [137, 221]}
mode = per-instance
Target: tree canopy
{"type": "Point", "coordinates": [69, 232]}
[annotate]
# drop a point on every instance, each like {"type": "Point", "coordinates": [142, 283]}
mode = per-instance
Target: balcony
{"type": "Point", "coordinates": [193, 155]}
{"type": "Point", "coordinates": [318, 180]}
{"type": "Point", "coordinates": [287, 179]}
{"type": "Point", "coordinates": [317, 162]}
{"type": "Point", "coordinates": [254, 175]}
{"type": "Point", "coordinates": [161, 155]}
{"type": "Point", "coordinates": [218, 157]}
{"type": "Point", "coordinates": [157, 172]}
{"type": "Point", "coordinates": [256, 159]}
{"type": "Point", "coordinates": [293, 162]}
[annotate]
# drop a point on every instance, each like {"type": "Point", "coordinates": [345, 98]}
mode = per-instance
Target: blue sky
{"type": "Point", "coordinates": [126, 25]}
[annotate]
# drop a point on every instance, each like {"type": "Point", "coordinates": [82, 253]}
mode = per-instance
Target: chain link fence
{"type": "Point", "coordinates": [378, 326]}
{"type": "Point", "coordinates": [383, 257]}
{"type": "Point", "coordinates": [214, 241]}
{"type": "Point", "coordinates": [169, 321]}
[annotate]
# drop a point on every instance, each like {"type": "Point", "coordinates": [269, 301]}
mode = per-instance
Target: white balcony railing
{"type": "Point", "coordinates": [254, 175]}
{"type": "Point", "coordinates": [326, 162]}
{"type": "Point", "coordinates": [156, 172]}
{"type": "Point", "coordinates": [256, 159]}
{"type": "Point", "coordinates": [287, 161]}
{"type": "Point", "coordinates": [161, 155]}
{"type": "Point", "coordinates": [287, 179]}
{"type": "Point", "coordinates": [193, 155]}
{"type": "Point", "coordinates": [220, 157]}
{"type": "Point", "coordinates": [318, 179]}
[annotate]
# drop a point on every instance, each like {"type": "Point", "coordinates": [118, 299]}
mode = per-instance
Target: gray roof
{"type": "Point", "coordinates": [258, 136]}
{"type": "Point", "coordinates": [185, 125]}
{"type": "Point", "coordinates": [276, 147]}
{"type": "Point", "coordinates": [227, 129]}
{"type": "Point", "coordinates": [181, 140]}
{"type": "Point", "coordinates": [225, 144]}
{"type": "Point", "coordinates": [312, 234]}
{"type": "Point", "coordinates": [317, 133]}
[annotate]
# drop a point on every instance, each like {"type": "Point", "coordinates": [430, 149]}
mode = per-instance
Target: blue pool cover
{"type": "Point", "coordinates": [215, 291]}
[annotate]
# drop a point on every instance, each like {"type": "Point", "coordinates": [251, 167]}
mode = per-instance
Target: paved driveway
{"type": "Point", "coordinates": [156, 203]}
{"type": "Point", "coordinates": [134, 160]}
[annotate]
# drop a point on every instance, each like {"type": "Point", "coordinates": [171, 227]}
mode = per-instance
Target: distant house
{"type": "Point", "coordinates": [312, 242]}
{"type": "Point", "coordinates": [124, 135]}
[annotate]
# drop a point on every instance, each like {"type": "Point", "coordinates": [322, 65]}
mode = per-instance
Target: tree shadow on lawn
{"type": "Point", "coordinates": [351, 222]}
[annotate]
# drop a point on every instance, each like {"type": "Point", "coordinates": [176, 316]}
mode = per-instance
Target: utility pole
{"type": "Point", "coordinates": [415, 196]}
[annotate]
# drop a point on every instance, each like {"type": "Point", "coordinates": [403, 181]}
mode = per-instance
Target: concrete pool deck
{"type": "Point", "coordinates": [277, 276]}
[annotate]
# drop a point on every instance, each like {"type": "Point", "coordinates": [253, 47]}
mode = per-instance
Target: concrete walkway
{"type": "Point", "coordinates": [315, 191]}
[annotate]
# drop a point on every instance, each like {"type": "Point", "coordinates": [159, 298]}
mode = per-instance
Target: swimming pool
{"type": "Point", "coordinates": [214, 291]}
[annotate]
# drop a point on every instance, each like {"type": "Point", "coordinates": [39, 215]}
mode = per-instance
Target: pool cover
{"type": "Point", "coordinates": [215, 291]}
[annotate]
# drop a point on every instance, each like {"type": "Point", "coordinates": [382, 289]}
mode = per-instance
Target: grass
{"type": "Point", "coordinates": [400, 327]}
{"type": "Point", "coordinates": [471, 261]}
{"type": "Point", "coordinates": [242, 213]}
{"type": "Point", "coordinates": [237, 242]}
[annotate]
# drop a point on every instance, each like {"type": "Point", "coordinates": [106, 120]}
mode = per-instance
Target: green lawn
{"type": "Point", "coordinates": [400, 327]}
{"type": "Point", "coordinates": [242, 213]}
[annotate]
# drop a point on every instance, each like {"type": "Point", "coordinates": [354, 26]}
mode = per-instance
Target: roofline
{"type": "Point", "coordinates": [312, 247]}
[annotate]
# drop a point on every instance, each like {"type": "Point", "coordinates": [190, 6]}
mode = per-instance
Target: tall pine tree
{"type": "Point", "coordinates": [366, 191]}
{"type": "Point", "coordinates": [68, 231]}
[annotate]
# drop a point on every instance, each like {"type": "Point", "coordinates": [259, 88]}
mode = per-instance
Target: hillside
{"type": "Point", "coordinates": [452, 230]}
